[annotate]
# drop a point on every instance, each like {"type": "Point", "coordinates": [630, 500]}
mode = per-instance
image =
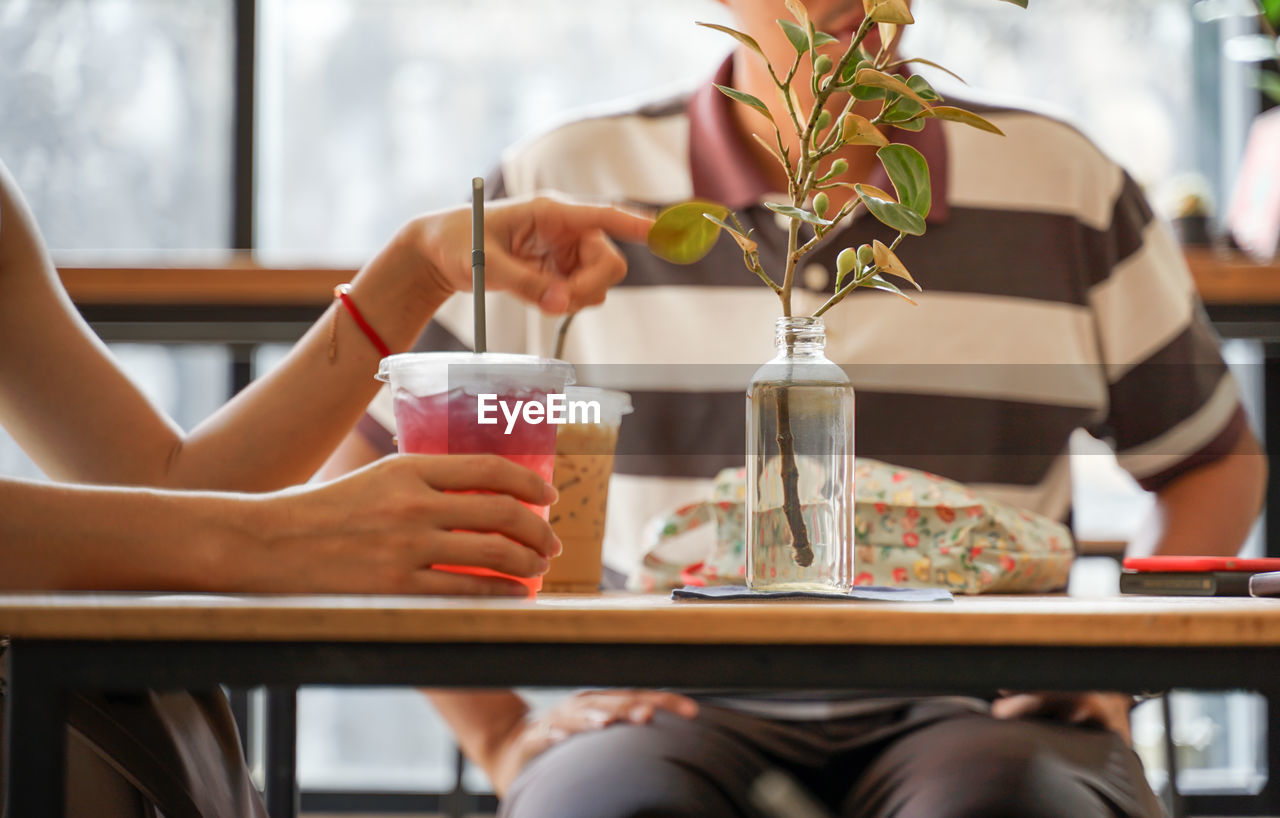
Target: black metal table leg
{"type": "Point", "coordinates": [1271, 441]}
{"type": "Point", "coordinates": [35, 734]}
{"type": "Point", "coordinates": [281, 794]}
{"type": "Point", "coordinates": [1175, 805]}
{"type": "Point", "coordinates": [238, 699]}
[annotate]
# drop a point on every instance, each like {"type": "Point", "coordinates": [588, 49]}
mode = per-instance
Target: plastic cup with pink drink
{"type": "Point", "coordinates": [478, 403]}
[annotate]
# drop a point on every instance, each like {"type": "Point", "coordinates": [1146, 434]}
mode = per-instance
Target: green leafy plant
{"type": "Point", "coordinates": [1269, 81]}
{"type": "Point", "coordinates": [1271, 12]}
{"type": "Point", "coordinates": [686, 232]}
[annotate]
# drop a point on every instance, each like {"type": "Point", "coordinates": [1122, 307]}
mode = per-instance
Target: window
{"type": "Point", "coordinates": [413, 99]}
{"type": "Point", "coordinates": [1123, 72]}
{"type": "Point", "coordinates": [117, 120]}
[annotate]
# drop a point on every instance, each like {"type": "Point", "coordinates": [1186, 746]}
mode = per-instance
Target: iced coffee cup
{"type": "Point", "coordinates": [583, 466]}
{"type": "Point", "coordinates": [486, 403]}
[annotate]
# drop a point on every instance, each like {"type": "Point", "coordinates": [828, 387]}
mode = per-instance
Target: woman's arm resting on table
{"type": "Point", "coordinates": [378, 530]}
{"type": "Point", "coordinates": [74, 411]}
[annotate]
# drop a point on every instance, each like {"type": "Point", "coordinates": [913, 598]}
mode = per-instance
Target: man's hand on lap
{"type": "Point", "coordinates": [1101, 708]}
{"type": "Point", "coordinates": [580, 713]}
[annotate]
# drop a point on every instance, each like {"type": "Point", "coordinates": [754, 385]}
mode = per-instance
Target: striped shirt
{"type": "Point", "coordinates": [1053, 301]}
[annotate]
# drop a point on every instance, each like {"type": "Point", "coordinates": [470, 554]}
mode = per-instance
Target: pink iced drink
{"type": "Point", "coordinates": [448, 423]}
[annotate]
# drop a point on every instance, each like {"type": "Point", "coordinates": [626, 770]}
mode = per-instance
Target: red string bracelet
{"type": "Point", "coordinates": [341, 293]}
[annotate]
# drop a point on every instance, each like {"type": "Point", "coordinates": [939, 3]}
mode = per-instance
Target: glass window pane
{"type": "Point", "coordinates": [117, 120]}
{"type": "Point", "coordinates": [1219, 739]}
{"type": "Point", "coordinates": [373, 110]}
{"type": "Point", "coordinates": [385, 740]}
{"type": "Point", "coordinates": [1050, 53]}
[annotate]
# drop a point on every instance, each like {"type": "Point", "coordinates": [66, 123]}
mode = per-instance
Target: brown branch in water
{"type": "Point", "coordinates": [791, 483]}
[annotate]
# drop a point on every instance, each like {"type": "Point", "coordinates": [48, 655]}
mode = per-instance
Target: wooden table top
{"type": "Point", "coordinates": [645, 619]}
{"type": "Point", "coordinates": [238, 278]}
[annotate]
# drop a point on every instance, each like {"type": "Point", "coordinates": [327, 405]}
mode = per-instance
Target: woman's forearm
{"type": "Point", "coordinates": [77, 415]}
{"type": "Point", "coordinates": [73, 537]}
{"type": "Point", "coordinates": [281, 429]}
{"type": "Point", "coordinates": [379, 530]}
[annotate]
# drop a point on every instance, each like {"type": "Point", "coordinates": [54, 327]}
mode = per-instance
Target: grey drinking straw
{"type": "Point", "coordinates": [477, 259]}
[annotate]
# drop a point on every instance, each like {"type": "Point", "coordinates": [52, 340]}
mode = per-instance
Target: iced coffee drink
{"type": "Point", "coordinates": [583, 466]}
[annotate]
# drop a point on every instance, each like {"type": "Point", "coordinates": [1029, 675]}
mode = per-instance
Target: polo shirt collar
{"type": "Point", "coordinates": [724, 170]}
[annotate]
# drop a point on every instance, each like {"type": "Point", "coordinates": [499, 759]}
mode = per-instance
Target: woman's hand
{"type": "Point", "coordinates": [1109, 710]}
{"type": "Point", "coordinates": [582, 712]}
{"type": "Point", "coordinates": [547, 251]}
{"type": "Point", "coordinates": [382, 528]}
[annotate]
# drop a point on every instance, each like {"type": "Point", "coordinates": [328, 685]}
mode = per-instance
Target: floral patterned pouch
{"type": "Point", "coordinates": [912, 529]}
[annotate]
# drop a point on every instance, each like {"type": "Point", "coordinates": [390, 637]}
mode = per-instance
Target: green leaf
{"type": "Point", "coordinates": [1022, 3]}
{"type": "Point", "coordinates": [682, 234]}
{"type": "Point", "coordinates": [821, 38]}
{"type": "Point", "coordinates": [900, 110]}
{"type": "Point", "coordinates": [744, 241]}
{"type": "Point", "coordinates": [892, 214]}
{"type": "Point", "coordinates": [880, 283]}
{"type": "Point", "coordinates": [1271, 8]}
{"type": "Point", "coordinates": [879, 79]}
{"type": "Point", "coordinates": [851, 68]}
{"type": "Point", "coordinates": [888, 11]}
{"type": "Point", "coordinates": [911, 124]}
{"type": "Point", "coordinates": [922, 87]}
{"type": "Point", "coordinates": [745, 99]}
{"type": "Point", "coordinates": [1269, 82]}
{"type": "Point", "coordinates": [796, 213]}
{"type": "Point", "coordinates": [967, 117]}
{"type": "Point", "coordinates": [798, 37]}
{"type": "Point", "coordinates": [909, 173]}
{"type": "Point", "coordinates": [745, 39]}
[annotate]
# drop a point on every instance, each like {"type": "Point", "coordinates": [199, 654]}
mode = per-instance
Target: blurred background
{"type": "Point", "coordinates": [151, 131]}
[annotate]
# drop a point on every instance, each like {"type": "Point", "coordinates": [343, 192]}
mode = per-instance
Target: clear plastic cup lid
{"type": "Point", "coordinates": [613, 403]}
{"type": "Point", "coordinates": [429, 373]}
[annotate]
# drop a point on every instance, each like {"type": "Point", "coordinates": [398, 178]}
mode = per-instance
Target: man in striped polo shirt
{"type": "Point", "coordinates": [1053, 301]}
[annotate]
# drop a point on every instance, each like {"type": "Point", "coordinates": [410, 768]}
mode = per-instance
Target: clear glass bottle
{"type": "Point", "coordinates": [800, 446]}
